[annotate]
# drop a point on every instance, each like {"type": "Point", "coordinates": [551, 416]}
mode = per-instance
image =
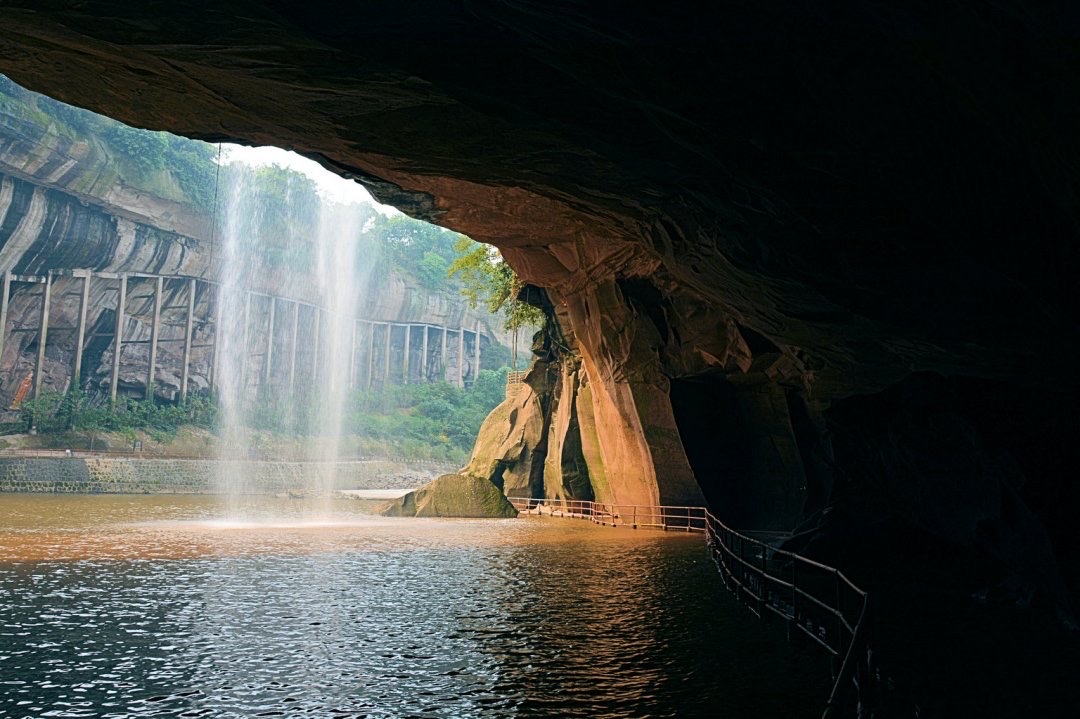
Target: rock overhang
{"type": "Point", "coordinates": [874, 193]}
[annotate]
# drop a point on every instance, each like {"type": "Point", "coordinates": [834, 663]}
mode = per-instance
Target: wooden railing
{"type": "Point", "coordinates": [815, 600]}
{"type": "Point", "coordinates": [514, 380]}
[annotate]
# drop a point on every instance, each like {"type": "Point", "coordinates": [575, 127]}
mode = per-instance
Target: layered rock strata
{"type": "Point", "coordinates": [63, 207]}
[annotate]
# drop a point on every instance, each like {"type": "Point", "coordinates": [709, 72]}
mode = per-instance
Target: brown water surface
{"type": "Point", "coordinates": [117, 606]}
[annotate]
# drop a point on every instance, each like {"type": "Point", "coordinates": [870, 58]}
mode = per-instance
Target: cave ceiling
{"type": "Point", "coordinates": [877, 189]}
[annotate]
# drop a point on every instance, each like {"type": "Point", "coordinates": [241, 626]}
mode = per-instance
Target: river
{"type": "Point", "coordinates": [123, 606]}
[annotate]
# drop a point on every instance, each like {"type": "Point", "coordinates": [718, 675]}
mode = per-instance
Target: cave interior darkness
{"type": "Point", "coordinates": [835, 251]}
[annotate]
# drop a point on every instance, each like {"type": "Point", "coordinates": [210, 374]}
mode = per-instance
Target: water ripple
{"type": "Point", "coordinates": [447, 619]}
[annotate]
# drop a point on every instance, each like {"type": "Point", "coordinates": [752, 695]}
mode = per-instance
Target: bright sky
{"type": "Point", "coordinates": [334, 186]}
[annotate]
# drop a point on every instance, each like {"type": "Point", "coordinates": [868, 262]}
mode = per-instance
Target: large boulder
{"type": "Point", "coordinates": [453, 495]}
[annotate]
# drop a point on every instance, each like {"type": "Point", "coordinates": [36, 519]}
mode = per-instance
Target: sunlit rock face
{"type": "Point", "coordinates": [778, 209]}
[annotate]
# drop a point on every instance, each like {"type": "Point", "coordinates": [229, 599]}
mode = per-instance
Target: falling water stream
{"type": "Point", "coordinates": [281, 236]}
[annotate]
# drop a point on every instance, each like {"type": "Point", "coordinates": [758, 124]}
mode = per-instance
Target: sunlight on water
{"type": "Point", "coordinates": [160, 606]}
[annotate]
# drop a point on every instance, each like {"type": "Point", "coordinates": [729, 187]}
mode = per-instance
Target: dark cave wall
{"type": "Point", "coordinates": [945, 459]}
{"type": "Point", "coordinates": [741, 446]}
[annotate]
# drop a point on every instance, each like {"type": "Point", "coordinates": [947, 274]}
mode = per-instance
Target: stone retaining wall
{"type": "Point", "coordinates": [96, 475]}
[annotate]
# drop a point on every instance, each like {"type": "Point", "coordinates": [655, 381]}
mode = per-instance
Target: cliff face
{"type": "Point", "coordinates": [63, 206]}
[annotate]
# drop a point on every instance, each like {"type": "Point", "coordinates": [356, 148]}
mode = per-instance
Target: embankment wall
{"type": "Point", "coordinates": [108, 475]}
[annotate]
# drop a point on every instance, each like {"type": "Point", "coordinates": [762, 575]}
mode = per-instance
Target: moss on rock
{"type": "Point", "coordinates": [453, 495]}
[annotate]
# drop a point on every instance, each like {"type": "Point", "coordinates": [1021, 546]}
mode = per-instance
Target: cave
{"type": "Point", "coordinates": [742, 450]}
{"type": "Point", "coordinates": [857, 225]}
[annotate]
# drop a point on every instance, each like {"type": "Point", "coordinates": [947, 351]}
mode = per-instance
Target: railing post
{"type": "Point", "coordinates": [118, 339]}
{"type": "Point", "coordinates": [839, 612]}
{"type": "Point", "coordinates": [39, 368]}
{"type": "Point", "coordinates": [764, 590]}
{"type": "Point", "coordinates": [742, 568]}
{"type": "Point", "coordinates": [793, 628]}
{"type": "Point", "coordinates": [635, 517]}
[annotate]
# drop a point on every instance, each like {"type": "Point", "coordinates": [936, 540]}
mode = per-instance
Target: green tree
{"type": "Point", "coordinates": [487, 280]}
{"type": "Point", "coordinates": [432, 270]}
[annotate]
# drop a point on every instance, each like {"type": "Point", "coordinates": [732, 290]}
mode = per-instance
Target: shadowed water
{"type": "Point", "coordinates": [154, 606]}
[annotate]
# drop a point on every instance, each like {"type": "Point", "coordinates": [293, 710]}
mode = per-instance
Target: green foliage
{"type": "Point", "coordinates": [430, 421]}
{"type": "Point", "coordinates": [280, 209]}
{"type": "Point", "coordinates": [432, 270]}
{"type": "Point", "coordinates": [433, 421]}
{"type": "Point", "coordinates": [487, 280]}
{"type": "Point", "coordinates": [415, 248]}
{"type": "Point", "coordinates": [438, 414]}
{"type": "Point", "coordinates": [58, 412]}
{"type": "Point", "coordinates": [193, 165]}
{"type": "Point", "coordinates": [145, 150]}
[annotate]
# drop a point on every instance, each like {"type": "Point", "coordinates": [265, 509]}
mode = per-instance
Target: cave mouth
{"type": "Point", "coordinates": [246, 294]}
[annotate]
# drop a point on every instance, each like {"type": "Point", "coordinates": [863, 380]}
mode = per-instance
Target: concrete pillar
{"type": "Point", "coordinates": [269, 369]}
{"type": "Point", "coordinates": [315, 346]}
{"type": "Point", "coordinates": [461, 357]}
{"type": "Point", "coordinates": [294, 346]}
{"type": "Point", "coordinates": [219, 309]}
{"type": "Point", "coordinates": [370, 352]}
{"type": "Point", "coordinates": [423, 356]}
{"type": "Point", "coordinates": [189, 321]}
{"type": "Point", "coordinates": [386, 368]}
{"type": "Point", "coordinates": [4, 311]}
{"type": "Point", "coordinates": [245, 346]}
{"type": "Point", "coordinates": [352, 357]}
{"type": "Point", "coordinates": [43, 337]}
{"type": "Point", "coordinates": [155, 332]}
{"type": "Point", "coordinates": [445, 377]}
{"type": "Point", "coordinates": [405, 359]}
{"type": "Point", "coordinates": [80, 330]}
{"type": "Point", "coordinates": [118, 339]}
{"type": "Point", "coordinates": [476, 353]}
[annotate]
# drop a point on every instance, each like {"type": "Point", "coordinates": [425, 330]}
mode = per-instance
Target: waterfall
{"type": "Point", "coordinates": [291, 279]}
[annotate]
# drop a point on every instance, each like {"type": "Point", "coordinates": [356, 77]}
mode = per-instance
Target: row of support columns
{"type": "Point", "coordinates": [425, 351]}
{"type": "Point", "coordinates": [157, 284]}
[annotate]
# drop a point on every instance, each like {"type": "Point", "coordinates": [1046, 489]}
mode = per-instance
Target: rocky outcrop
{"type": "Point", "coordinates": [84, 169]}
{"type": "Point", "coordinates": [453, 495]}
{"type": "Point", "coordinates": [506, 449]}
